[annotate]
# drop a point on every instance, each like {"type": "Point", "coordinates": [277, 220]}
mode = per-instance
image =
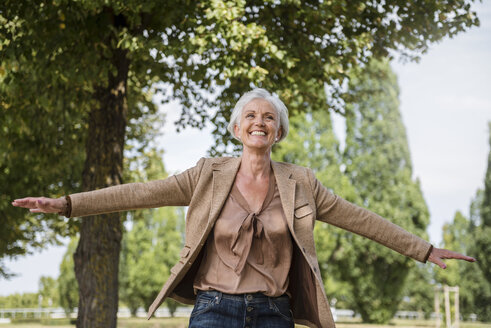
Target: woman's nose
{"type": "Point", "coordinates": [259, 121]}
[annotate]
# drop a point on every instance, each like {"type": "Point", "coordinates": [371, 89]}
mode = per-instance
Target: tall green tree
{"type": "Point", "coordinates": [483, 230]}
{"type": "Point", "coordinates": [456, 237]}
{"type": "Point", "coordinates": [76, 78]}
{"type": "Point", "coordinates": [379, 167]}
{"type": "Point", "coordinates": [152, 243]}
{"type": "Point", "coordinates": [67, 283]}
{"type": "Point", "coordinates": [312, 143]}
{"type": "Point", "coordinates": [151, 246]}
{"type": "Point", "coordinates": [479, 288]}
{"type": "Point", "coordinates": [418, 291]}
{"type": "Point", "coordinates": [48, 291]}
{"type": "Point", "coordinates": [474, 290]}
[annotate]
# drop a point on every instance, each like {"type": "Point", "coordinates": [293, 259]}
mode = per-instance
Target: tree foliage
{"type": "Point", "coordinates": [55, 56]}
{"type": "Point", "coordinates": [374, 170]}
{"type": "Point", "coordinates": [418, 291]}
{"type": "Point", "coordinates": [151, 246]}
{"type": "Point", "coordinates": [48, 292]}
{"type": "Point", "coordinates": [466, 236]}
{"type": "Point", "coordinates": [312, 143]}
{"type": "Point", "coordinates": [80, 75]}
{"type": "Point", "coordinates": [294, 47]}
{"type": "Point", "coordinates": [17, 300]}
{"type": "Point", "coordinates": [483, 230]}
{"type": "Point", "coordinates": [378, 166]}
{"type": "Point", "coordinates": [479, 295]}
{"type": "Point", "coordinates": [458, 236]}
{"type": "Point", "coordinates": [67, 283]}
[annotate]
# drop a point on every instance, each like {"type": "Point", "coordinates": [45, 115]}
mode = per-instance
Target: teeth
{"type": "Point", "coordinates": [258, 133]}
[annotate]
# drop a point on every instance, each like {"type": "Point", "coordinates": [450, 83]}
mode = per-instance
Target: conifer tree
{"type": "Point", "coordinates": [67, 283]}
{"type": "Point", "coordinates": [378, 165]}
{"type": "Point", "coordinates": [480, 230]}
{"type": "Point", "coordinates": [151, 246]}
{"type": "Point", "coordinates": [483, 231]}
{"type": "Point", "coordinates": [475, 290]}
{"type": "Point", "coordinates": [312, 143]}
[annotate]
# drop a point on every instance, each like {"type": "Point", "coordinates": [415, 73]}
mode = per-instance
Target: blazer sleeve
{"type": "Point", "coordinates": [335, 210]}
{"type": "Point", "coordinates": [175, 190]}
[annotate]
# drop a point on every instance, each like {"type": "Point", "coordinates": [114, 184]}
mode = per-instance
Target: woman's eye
{"type": "Point", "coordinates": [250, 115]}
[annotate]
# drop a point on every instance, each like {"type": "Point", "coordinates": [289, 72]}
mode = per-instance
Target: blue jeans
{"type": "Point", "coordinates": [215, 309]}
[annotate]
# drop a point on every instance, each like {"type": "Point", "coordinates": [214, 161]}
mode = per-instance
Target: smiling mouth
{"type": "Point", "coordinates": [258, 133]}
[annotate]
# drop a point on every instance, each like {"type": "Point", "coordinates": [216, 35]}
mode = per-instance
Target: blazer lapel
{"type": "Point", "coordinates": [286, 188]}
{"type": "Point", "coordinates": [223, 178]}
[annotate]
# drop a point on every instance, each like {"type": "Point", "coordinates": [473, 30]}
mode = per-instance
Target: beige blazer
{"type": "Point", "coordinates": [205, 187]}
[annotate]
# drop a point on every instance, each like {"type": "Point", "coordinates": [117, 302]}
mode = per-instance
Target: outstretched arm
{"type": "Point", "coordinates": [176, 190]}
{"type": "Point", "coordinates": [439, 254]}
{"type": "Point", "coordinates": [337, 211]}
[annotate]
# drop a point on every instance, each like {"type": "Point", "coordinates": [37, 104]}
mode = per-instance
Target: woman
{"type": "Point", "coordinates": [249, 257]}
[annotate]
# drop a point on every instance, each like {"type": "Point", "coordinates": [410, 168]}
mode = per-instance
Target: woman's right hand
{"type": "Point", "coordinates": [42, 204]}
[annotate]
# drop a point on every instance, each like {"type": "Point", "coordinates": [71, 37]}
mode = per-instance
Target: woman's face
{"type": "Point", "coordinates": [259, 125]}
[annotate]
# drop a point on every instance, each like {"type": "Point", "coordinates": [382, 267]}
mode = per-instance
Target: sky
{"type": "Point", "coordinates": [445, 102]}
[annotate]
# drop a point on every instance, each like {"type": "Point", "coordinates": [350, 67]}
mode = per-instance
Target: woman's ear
{"type": "Point", "coordinates": [236, 131]}
{"type": "Point", "coordinates": [279, 134]}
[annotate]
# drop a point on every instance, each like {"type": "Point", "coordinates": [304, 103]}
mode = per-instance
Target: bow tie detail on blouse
{"type": "Point", "coordinates": [250, 231]}
{"type": "Point", "coordinates": [251, 228]}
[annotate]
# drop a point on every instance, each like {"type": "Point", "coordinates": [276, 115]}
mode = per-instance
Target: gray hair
{"type": "Point", "coordinates": [259, 93]}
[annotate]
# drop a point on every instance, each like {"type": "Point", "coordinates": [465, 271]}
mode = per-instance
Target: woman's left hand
{"type": "Point", "coordinates": [439, 254]}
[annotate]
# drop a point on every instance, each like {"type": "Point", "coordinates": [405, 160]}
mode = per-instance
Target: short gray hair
{"type": "Point", "coordinates": [259, 93]}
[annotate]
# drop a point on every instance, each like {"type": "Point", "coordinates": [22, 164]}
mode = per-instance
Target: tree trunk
{"type": "Point", "coordinates": [97, 254]}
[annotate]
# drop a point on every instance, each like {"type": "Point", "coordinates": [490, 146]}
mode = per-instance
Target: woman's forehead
{"type": "Point", "coordinates": [259, 104]}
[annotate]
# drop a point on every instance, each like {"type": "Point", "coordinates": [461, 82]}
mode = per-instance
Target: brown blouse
{"type": "Point", "coordinates": [248, 252]}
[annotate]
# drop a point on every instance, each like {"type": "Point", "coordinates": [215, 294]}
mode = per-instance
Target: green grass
{"type": "Point", "coordinates": [183, 323]}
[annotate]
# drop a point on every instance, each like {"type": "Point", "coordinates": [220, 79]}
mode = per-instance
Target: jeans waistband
{"type": "Point", "coordinates": [249, 297]}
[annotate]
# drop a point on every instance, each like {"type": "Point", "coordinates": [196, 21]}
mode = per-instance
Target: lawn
{"type": "Point", "coordinates": [182, 323]}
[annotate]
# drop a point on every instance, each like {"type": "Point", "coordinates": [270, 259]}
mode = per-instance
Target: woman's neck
{"type": "Point", "coordinates": [255, 165]}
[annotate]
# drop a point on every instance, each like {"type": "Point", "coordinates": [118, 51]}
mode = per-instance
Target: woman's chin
{"type": "Point", "coordinates": [258, 146]}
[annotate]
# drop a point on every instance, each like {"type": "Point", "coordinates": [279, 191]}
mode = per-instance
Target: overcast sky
{"type": "Point", "coordinates": [445, 104]}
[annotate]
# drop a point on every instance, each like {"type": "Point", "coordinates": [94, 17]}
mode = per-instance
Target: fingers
{"type": "Point", "coordinates": [28, 202]}
{"type": "Point", "coordinates": [439, 254]}
{"type": "Point", "coordinates": [37, 204]}
{"type": "Point", "coordinates": [438, 262]}
{"type": "Point", "coordinates": [448, 254]}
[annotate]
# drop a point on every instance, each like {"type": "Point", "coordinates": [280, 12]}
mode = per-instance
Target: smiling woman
{"type": "Point", "coordinates": [249, 257]}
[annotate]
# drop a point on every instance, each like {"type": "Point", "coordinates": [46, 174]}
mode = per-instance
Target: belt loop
{"type": "Point", "coordinates": [271, 306]}
{"type": "Point", "coordinates": [218, 297]}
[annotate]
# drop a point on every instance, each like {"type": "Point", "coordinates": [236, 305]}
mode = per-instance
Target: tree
{"type": "Point", "coordinates": [152, 245]}
{"type": "Point", "coordinates": [475, 290]}
{"type": "Point", "coordinates": [418, 293]}
{"type": "Point", "coordinates": [479, 288]}
{"type": "Point", "coordinates": [483, 230]}
{"type": "Point", "coordinates": [153, 242]}
{"type": "Point", "coordinates": [458, 236]}
{"type": "Point", "coordinates": [48, 291]}
{"type": "Point", "coordinates": [312, 143]}
{"type": "Point", "coordinates": [25, 300]}
{"type": "Point", "coordinates": [79, 75]}
{"type": "Point", "coordinates": [67, 283]}
{"type": "Point", "coordinates": [379, 167]}
{"type": "Point", "coordinates": [455, 237]}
